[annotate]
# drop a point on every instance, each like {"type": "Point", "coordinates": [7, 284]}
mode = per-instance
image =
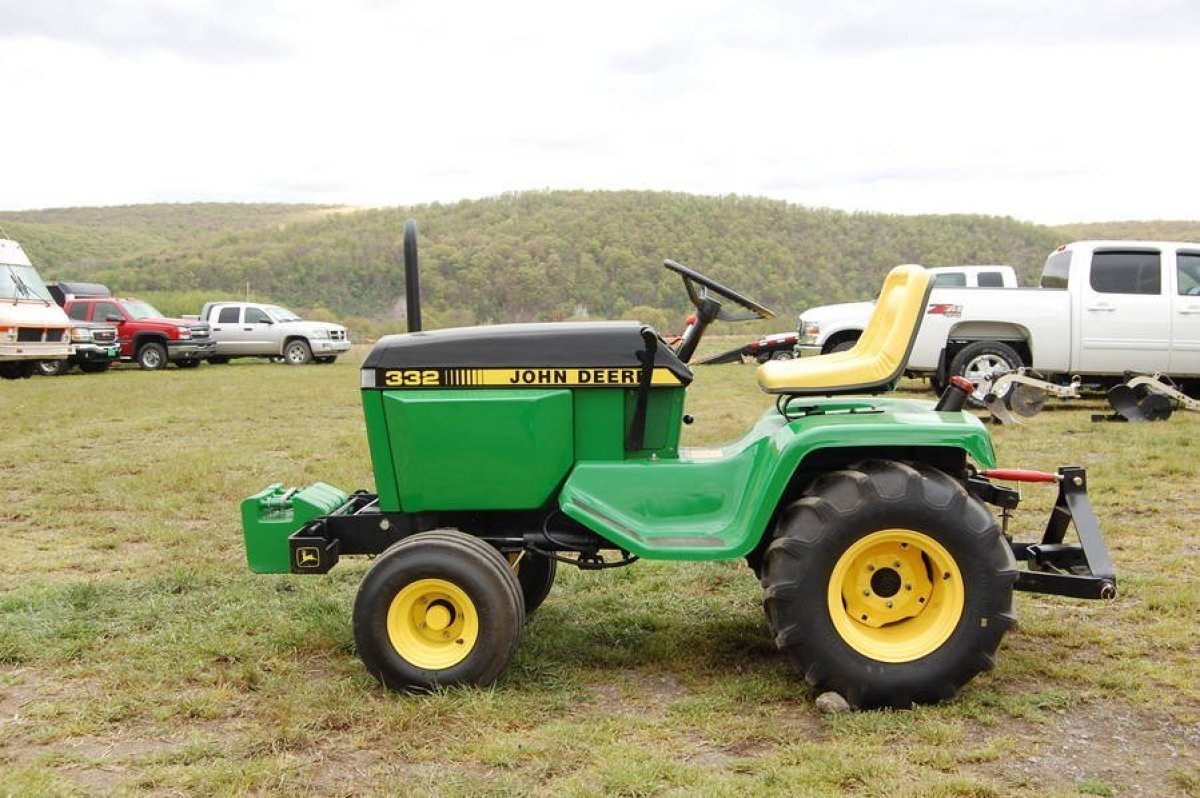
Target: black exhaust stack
{"type": "Point", "coordinates": [412, 276]}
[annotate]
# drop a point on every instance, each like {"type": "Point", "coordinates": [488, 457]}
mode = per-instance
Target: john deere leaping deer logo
{"type": "Point", "coordinates": [308, 557]}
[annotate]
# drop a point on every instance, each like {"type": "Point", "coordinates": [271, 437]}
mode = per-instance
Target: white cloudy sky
{"type": "Point", "coordinates": [1056, 111]}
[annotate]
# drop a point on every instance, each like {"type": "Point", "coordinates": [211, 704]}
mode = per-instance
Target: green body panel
{"type": "Point", "coordinates": [273, 514]}
{"type": "Point", "coordinates": [380, 445]}
{"type": "Point", "coordinates": [503, 449]}
{"type": "Point", "coordinates": [478, 450]}
{"type": "Point", "coordinates": [716, 504]}
{"type": "Point", "coordinates": [664, 413]}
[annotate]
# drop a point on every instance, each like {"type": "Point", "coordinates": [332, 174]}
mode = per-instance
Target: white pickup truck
{"type": "Point", "coordinates": [833, 328]}
{"type": "Point", "coordinates": [1103, 308]}
{"type": "Point", "coordinates": [250, 329]}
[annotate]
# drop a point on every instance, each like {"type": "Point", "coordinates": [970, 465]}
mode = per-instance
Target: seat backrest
{"type": "Point", "coordinates": [876, 359]}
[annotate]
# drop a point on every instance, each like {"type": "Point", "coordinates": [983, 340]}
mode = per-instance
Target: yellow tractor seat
{"type": "Point", "coordinates": [877, 358]}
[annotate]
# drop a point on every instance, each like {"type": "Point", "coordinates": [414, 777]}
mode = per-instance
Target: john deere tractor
{"type": "Point", "coordinates": [502, 452]}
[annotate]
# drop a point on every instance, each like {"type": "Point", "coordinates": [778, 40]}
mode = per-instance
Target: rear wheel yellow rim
{"type": "Point", "coordinates": [433, 624]}
{"type": "Point", "coordinates": [896, 595]}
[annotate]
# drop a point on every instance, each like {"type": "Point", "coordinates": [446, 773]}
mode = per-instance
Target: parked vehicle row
{"type": "Point", "coordinates": [50, 328]}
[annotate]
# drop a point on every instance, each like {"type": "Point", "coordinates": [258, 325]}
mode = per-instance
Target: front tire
{"type": "Point", "coordinates": [438, 608]}
{"type": "Point", "coordinates": [152, 357]}
{"type": "Point", "coordinates": [297, 352]}
{"type": "Point", "coordinates": [889, 584]}
{"type": "Point", "coordinates": [94, 367]}
{"type": "Point", "coordinates": [52, 368]}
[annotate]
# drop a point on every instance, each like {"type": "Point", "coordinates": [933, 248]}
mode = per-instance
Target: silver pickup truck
{"type": "Point", "coordinates": [250, 329]}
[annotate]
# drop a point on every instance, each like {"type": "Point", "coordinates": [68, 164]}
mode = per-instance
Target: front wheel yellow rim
{"type": "Point", "coordinates": [896, 595]}
{"type": "Point", "coordinates": [433, 624]}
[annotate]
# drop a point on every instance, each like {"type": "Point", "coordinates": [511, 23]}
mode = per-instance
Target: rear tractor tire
{"type": "Point", "coordinates": [889, 584]}
{"type": "Point", "coordinates": [437, 609]}
{"type": "Point", "coordinates": [535, 574]}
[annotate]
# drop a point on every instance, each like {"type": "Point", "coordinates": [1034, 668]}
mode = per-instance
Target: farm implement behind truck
{"type": "Point", "coordinates": [504, 452]}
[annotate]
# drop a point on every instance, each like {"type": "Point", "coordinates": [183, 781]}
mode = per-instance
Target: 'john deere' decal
{"type": "Point", "coordinates": [520, 378]}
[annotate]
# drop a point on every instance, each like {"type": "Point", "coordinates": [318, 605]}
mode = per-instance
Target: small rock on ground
{"type": "Point", "coordinates": [832, 702]}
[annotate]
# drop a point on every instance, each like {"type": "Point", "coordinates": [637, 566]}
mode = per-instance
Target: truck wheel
{"type": "Point", "coordinates": [218, 359]}
{"type": "Point", "coordinates": [842, 346]}
{"type": "Point", "coordinates": [94, 367]}
{"type": "Point", "coordinates": [438, 608]}
{"type": "Point", "coordinates": [297, 352]}
{"type": "Point", "coordinates": [52, 368]}
{"type": "Point", "coordinates": [975, 360]}
{"type": "Point", "coordinates": [535, 574]}
{"type": "Point", "coordinates": [16, 370]}
{"type": "Point", "coordinates": [152, 356]}
{"type": "Point", "coordinates": [889, 584]}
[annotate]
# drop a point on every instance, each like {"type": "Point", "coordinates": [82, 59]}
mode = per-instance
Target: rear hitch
{"type": "Point", "coordinates": [1079, 571]}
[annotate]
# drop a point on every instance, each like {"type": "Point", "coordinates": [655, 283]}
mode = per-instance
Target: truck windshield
{"type": "Point", "coordinates": [22, 282]}
{"type": "Point", "coordinates": [281, 314]}
{"type": "Point", "coordinates": [137, 309]}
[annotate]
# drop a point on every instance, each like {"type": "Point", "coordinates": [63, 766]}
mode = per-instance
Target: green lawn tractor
{"type": "Point", "coordinates": [502, 452]}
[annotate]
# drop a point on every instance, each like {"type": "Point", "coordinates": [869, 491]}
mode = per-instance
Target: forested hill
{"type": "Point", "coordinates": [524, 256]}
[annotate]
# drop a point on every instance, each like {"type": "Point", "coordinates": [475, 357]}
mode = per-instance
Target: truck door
{"type": "Point", "coordinates": [257, 326]}
{"type": "Point", "coordinates": [1185, 314]}
{"type": "Point", "coordinates": [227, 330]}
{"type": "Point", "coordinates": [1125, 321]}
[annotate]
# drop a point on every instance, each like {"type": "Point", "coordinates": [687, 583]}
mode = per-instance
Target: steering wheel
{"type": "Point", "coordinates": [699, 287]}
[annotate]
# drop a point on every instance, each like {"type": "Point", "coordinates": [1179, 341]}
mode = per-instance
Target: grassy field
{"type": "Point", "coordinates": [138, 655]}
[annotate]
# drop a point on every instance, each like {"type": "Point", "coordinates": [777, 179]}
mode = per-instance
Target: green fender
{"type": "Point", "coordinates": [715, 504]}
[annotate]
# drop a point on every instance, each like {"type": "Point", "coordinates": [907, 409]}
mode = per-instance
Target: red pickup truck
{"type": "Point", "coordinates": [145, 335]}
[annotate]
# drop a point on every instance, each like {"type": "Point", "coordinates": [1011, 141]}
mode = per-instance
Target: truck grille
{"type": "Point", "coordinates": [199, 331]}
{"type": "Point", "coordinates": [104, 336]}
{"type": "Point", "coordinates": [337, 335]}
{"type": "Point", "coordinates": [39, 334]}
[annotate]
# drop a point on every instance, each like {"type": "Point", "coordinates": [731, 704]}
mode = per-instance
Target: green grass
{"type": "Point", "coordinates": [137, 653]}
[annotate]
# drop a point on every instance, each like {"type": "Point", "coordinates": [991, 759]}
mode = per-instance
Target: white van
{"type": "Point", "coordinates": [32, 325]}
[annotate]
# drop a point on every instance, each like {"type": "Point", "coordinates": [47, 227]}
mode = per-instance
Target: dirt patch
{"type": "Point", "coordinates": [95, 764]}
{"type": "Point", "coordinates": [632, 693]}
{"type": "Point", "coordinates": [1133, 751]}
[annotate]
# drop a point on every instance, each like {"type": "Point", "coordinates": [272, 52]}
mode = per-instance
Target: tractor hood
{"type": "Point", "coordinates": [599, 354]}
